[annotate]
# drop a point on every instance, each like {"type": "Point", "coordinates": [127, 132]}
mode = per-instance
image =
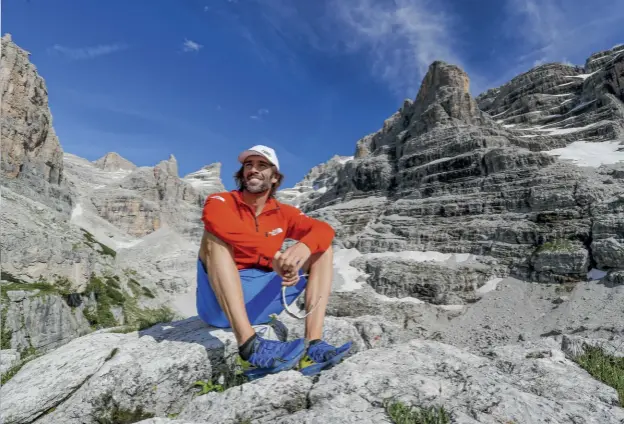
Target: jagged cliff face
{"type": "Point", "coordinates": [32, 158]}
{"type": "Point", "coordinates": [140, 200]}
{"type": "Point", "coordinates": [315, 183]}
{"type": "Point", "coordinates": [450, 173]}
{"type": "Point", "coordinates": [73, 230]}
{"type": "Point", "coordinates": [441, 174]}
{"type": "Point", "coordinates": [554, 105]}
{"type": "Point", "coordinates": [112, 161]}
{"type": "Point", "coordinates": [206, 181]}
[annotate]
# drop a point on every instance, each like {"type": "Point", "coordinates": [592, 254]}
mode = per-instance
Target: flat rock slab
{"type": "Point", "coordinates": [509, 388]}
{"type": "Point", "coordinates": [530, 383]}
{"type": "Point", "coordinates": [92, 375]}
{"type": "Point", "coordinates": [47, 381]}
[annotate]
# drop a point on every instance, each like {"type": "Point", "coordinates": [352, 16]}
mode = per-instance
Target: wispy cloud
{"type": "Point", "coordinates": [82, 53]}
{"type": "Point", "coordinates": [398, 38]}
{"type": "Point", "coordinates": [402, 38]}
{"type": "Point", "coordinates": [191, 46]}
{"type": "Point", "coordinates": [554, 31]}
{"type": "Point", "coordinates": [261, 112]}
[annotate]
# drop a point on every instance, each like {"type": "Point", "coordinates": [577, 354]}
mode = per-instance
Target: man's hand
{"type": "Point", "coordinates": [288, 264]}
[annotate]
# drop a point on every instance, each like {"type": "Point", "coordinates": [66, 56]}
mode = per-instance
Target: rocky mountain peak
{"type": "Point", "coordinates": [439, 76]}
{"type": "Point", "coordinates": [440, 172]}
{"type": "Point", "coordinates": [206, 180]}
{"type": "Point", "coordinates": [112, 161]}
{"type": "Point", "coordinates": [600, 59]}
{"type": "Point", "coordinates": [170, 166]}
{"type": "Point", "coordinates": [444, 97]}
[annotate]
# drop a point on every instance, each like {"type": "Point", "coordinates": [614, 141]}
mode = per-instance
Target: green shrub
{"type": "Point", "coordinates": [605, 368]}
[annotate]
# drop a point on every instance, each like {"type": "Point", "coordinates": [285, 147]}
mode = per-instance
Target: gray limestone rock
{"type": "Point", "coordinates": [253, 401]}
{"type": "Point", "coordinates": [148, 199]}
{"type": "Point", "coordinates": [517, 310]}
{"type": "Point", "coordinates": [42, 322]}
{"type": "Point", "coordinates": [316, 182]}
{"type": "Point", "coordinates": [609, 253]}
{"type": "Point", "coordinates": [575, 346]}
{"type": "Point", "coordinates": [32, 158]}
{"type": "Point", "coordinates": [435, 283]}
{"type": "Point", "coordinates": [449, 173]}
{"type": "Point", "coordinates": [600, 59]}
{"type": "Point", "coordinates": [112, 161]}
{"type": "Point", "coordinates": [528, 383]}
{"type": "Point", "coordinates": [8, 359]}
{"type": "Point", "coordinates": [206, 181]}
{"type": "Point", "coordinates": [38, 241]}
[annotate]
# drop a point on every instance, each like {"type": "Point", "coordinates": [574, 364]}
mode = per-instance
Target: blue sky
{"type": "Point", "coordinates": [204, 79]}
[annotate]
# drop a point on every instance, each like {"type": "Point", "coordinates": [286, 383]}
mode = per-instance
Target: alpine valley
{"type": "Point", "coordinates": [479, 266]}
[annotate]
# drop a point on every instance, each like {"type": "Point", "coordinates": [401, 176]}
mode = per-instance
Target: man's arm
{"type": "Point", "coordinates": [315, 234]}
{"type": "Point", "coordinates": [222, 221]}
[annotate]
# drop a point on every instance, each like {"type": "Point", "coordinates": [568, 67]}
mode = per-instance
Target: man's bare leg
{"type": "Point", "coordinates": [218, 258]}
{"type": "Point", "coordinates": [320, 268]}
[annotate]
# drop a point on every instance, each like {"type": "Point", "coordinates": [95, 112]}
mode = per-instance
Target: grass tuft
{"type": "Point", "coordinates": [402, 414]}
{"type": "Point", "coordinates": [605, 368]}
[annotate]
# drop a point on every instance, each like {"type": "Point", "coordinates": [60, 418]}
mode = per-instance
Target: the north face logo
{"type": "Point", "coordinates": [275, 232]}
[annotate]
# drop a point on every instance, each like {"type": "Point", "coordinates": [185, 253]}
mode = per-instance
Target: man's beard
{"type": "Point", "coordinates": [258, 187]}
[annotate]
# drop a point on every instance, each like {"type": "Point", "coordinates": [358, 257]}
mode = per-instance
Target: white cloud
{"type": "Point", "coordinates": [398, 38]}
{"type": "Point", "coordinates": [81, 53]}
{"type": "Point", "coordinates": [402, 39]}
{"type": "Point", "coordinates": [191, 46]}
{"type": "Point", "coordinates": [260, 114]}
{"type": "Point", "coordinates": [553, 31]}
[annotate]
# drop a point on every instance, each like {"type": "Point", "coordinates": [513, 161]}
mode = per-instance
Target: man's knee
{"type": "Point", "coordinates": [326, 257]}
{"type": "Point", "coordinates": [327, 254]}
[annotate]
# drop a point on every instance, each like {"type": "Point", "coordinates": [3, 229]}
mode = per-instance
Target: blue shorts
{"type": "Point", "coordinates": [262, 291]}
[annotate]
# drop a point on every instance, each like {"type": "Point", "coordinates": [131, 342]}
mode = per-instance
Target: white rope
{"type": "Point", "coordinates": [290, 312]}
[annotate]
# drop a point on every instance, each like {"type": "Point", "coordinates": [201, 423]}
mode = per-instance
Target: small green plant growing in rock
{"type": "Point", "coordinates": [90, 241]}
{"type": "Point", "coordinates": [109, 411]}
{"type": "Point", "coordinates": [148, 293]}
{"type": "Point", "coordinates": [10, 373]}
{"type": "Point", "coordinates": [565, 288]}
{"type": "Point", "coordinates": [6, 334]}
{"type": "Point", "coordinates": [26, 355]}
{"type": "Point", "coordinates": [603, 367]}
{"type": "Point", "coordinates": [207, 387]}
{"type": "Point", "coordinates": [61, 285]}
{"type": "Point", "coordinates": [106, 297]}
{"type": "Point", "coordinates": [19, 284]}
{"type": "Point", "coordinates": [558, 245]}
{"type": "Point", "coordinates": [134, 286]}
{"type": "Point", "coordinates": [402, 414]}
{"type": "Point", "coordinates": [118, 415]}
{"type": "Point", "coordinates": [225, 378]}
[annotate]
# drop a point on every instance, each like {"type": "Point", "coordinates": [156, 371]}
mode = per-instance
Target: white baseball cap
{"type": "Point", "coordinates": [264, 151]}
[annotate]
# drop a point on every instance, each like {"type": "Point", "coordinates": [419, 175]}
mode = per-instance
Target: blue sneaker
{"type": "Point", "coordinates": [271, 356]}
{"type": "Point", "coordinates": [321, 356]}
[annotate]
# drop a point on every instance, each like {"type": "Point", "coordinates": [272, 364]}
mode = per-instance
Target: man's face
{"type": "Point", "coordinates": [258, 174]}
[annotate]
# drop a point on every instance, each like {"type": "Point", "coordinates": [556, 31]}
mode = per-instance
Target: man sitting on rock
{"type": "Point", "coordinates": [243, 278]}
